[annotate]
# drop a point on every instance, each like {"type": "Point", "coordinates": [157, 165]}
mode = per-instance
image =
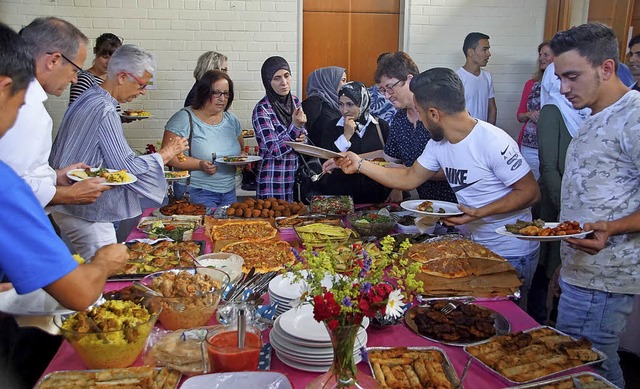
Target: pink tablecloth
{"type": "Point", "coordinates": [399, 335]}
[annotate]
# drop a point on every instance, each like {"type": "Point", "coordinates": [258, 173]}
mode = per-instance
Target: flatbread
{"type": "Point", "coordinates": [244, 230]}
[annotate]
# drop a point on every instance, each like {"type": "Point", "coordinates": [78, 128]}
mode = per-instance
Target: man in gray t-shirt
{"type": "Point", "coordinates": [599, 275]}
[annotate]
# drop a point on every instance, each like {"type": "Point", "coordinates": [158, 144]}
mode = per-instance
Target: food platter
{"type": "Point", "coordinates": [446, 368]}
{"type": "Point", "coordinates": [500, 323]}
{"type": "Point", "coordinates": [540, 357]}
{"type": "Point", "coordinates": [118, 377]}
{"type": "Point", "coordinates": [129, 117]}
{"type": "Point", "coordinates": [135, 114]}
{"type": "Point", "coordinates": [503, 231]}
{"type": "Point", "coordinates": [450, 209]}
{"type": "Point", "coordinates": [313, 151]}
{"type": "Point", "coordinates": [80, 175]}
{"type": "Point", "coordinates": [238, 160]}
{"type": "Point", "coordinates": [332, 205]}
{"type": "Point", "coordinates": [586, 378]}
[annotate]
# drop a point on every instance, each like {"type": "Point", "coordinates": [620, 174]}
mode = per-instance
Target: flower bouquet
{"type": "Point", "coordinates": [366, 281]}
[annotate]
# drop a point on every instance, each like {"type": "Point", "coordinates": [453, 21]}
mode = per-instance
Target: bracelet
{"type": "Point", "coordinates": [359, 165]}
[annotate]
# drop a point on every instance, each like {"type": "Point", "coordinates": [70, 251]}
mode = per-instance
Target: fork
{"type": "Point", "coordinates": [447, 309]}
{"type": "Point", "coordinates": [316, 177]}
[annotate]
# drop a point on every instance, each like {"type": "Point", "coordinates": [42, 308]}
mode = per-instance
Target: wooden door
{"type": "Point", "coordinates": [614, 13]}
{"type": "Point", "coordinates": [350, 34]}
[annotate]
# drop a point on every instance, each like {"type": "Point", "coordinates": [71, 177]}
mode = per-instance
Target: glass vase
{"type": "Point", "coordinates": [343, 372]}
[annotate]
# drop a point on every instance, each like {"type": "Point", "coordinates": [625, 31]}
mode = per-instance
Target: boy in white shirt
{"type": "Point", "coordinates": [478, 85]}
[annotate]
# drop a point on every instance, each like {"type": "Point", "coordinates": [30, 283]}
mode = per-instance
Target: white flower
{"type": "Point", "coordinates": [394, 305]}
{"type": "Point", "coordinates": [305, 295]}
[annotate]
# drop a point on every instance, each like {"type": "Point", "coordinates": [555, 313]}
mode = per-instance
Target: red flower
{"type": "Point", "coordinates": [333, 324]}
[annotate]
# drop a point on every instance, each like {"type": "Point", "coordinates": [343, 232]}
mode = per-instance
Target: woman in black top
{"type": "Point", "coordinates": [358, 131]}
{"type": "Point", "coordinates": [321, 104]}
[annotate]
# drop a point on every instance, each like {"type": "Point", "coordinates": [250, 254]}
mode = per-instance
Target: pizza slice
{"type": "Point", "coordinates": [264, 256]}
{"type": "Point", "coordinates": [244, 230]}
{"type": "Point", "coordinates": [445, 267]}
{"type": "Point", "coordinates": [476, 250]}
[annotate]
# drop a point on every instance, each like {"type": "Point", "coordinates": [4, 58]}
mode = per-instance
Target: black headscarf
{"type": "Point", "coordinates": [282, 105]}
{"type": "Point", "coordinates": [358, 93]}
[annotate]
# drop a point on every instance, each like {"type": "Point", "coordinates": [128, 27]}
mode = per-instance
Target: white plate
{"type": "Point", "coordinates": [73, 177]}
{"type": "Point", "coordinates": [250, 159]}
{"type": "Point", "coordinates": [451, 209]}
{"type": "Point", "coordinates": [36, 303]}
{"type": "Point", "coordinates": [503, 231]}
{"type": "Point", "coordinates": [283, 287]}
{"type": "Point", "coordinates": [310, 350]}
{"type": "Point", "coordinates": [241, 379]}
{"type": "Point", "coordinates": [172, 179]}
{"type": "Point", "coordinates": [299, 323]}
{"type": "Point", "coordinates": [313, 151]}
{"type": "Point", "coordinates": [137, 117]}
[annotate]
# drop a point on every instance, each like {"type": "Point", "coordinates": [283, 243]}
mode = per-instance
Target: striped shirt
{"type": "Point", "coordinates": [279, 162]}
{"type": "Point", "coordinates": [91, 132]}
{"type": "Point", "coordinates": [85, 81]}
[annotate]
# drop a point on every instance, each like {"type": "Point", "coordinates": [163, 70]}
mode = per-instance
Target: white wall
{"type": "Point", "coordinates": [249, 31]}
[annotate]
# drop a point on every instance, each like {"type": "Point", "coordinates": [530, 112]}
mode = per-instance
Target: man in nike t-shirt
{"type": "Point", "coordinates": [493, 183]}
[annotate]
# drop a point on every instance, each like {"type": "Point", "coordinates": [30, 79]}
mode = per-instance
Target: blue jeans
{"type": "Point", "coordinates": [598, 316]}
{"type": "Point", "coordinates": [202, 196]}
{"type": "Point", "coordinates": [526, 267]}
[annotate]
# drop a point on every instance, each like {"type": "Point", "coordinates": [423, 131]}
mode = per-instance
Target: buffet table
{"type": "Point", "coordinates": [399, 335]}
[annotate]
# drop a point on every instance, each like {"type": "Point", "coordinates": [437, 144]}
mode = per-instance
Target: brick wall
{"type": "Point", "coordinates": [249, 31]}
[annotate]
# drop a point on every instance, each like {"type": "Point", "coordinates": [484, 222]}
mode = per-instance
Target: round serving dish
{"type": "Point", "coordinates": [372, 223]}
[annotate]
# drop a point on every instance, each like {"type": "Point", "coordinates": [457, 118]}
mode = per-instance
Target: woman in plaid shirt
{"type": "Point", "coordinates": [277, 118]}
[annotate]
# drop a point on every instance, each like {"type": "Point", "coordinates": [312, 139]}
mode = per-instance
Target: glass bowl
{"type": "Point", "coordinates": [111, 348]}
{"type": "Point", "coordinates": [372, 223]}
{"type": "Point", "coordinates": [189, 305]}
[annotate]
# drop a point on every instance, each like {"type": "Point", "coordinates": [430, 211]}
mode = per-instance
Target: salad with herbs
{"type": "Point", "coordinates": [162, 230]}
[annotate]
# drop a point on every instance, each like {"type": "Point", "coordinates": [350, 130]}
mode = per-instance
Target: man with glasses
{"type": "Point", "coordinates": [478, 85]}
{"type": "Point", "coordinates": [91, 131]}
{"type": "Point", "coordinates": [59, 49]}
{"type": "Point", "coordinates": [407, 134]}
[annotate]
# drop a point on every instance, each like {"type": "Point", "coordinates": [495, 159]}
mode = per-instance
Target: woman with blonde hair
{"type": "Point", "coordinates": [211, 60]}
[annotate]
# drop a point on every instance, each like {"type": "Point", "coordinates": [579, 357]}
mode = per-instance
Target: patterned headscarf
{"type": "Point", "coordinates": [283, 106]}
{"type": "Point", "coordinates": [324, 82]}
{"type": "Point", "coordinates": [358, 93]}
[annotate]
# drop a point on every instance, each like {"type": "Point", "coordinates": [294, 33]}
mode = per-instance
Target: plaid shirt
{"type": "Point", "coordinates": [279, 162]}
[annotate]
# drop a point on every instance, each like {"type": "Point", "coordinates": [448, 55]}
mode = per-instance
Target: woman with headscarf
{"type": "Point", "coordinates": [358, 131]}
{"type": "Point", "coordinates": [277, 118]}
{"type": "Point", "coordinates": [321, 104]}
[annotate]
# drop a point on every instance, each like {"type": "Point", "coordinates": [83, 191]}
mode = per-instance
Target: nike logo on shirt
{"type": "Point", "coordinates": [457, 178]}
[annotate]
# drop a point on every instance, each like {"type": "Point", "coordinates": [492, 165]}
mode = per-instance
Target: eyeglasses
{"type": "Point", "coordinates": [389, 88]}
{"type": "Point", "coordinates": [78, 68]}
{"type": "Point", "coordinates": [143, 85]}
{"type": "Point", "coordinates": [218, 94]}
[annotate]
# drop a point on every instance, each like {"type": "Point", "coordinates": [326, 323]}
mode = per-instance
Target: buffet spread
{"type": "Point", "coordinates": [453, 324]}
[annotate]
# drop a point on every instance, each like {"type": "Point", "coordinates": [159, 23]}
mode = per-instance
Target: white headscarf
{"type": "Point", "coordinates": [550, 94]}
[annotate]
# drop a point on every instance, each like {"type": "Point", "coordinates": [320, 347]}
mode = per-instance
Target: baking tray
{"type": "Point", "coordinates": [449, 371]}
{"type": "Point", "coordinates": [500, 323]}
{"type": "Point", "coordinates": [307, 219]}
{"type": "Point", "coordinates": [316, 209]}
{"type": "Point", "coordinates": [601, 356]}
{"type": "Point", "coordinates": [335, 242]}
{"type": "Point", "coordinates": [43, 381]}
{"type": "Point", "coordinates": [540, 384]}
{"type": "Point", "coordinates": [178, 220]}
{"type": "Point", "coordinates": [139, 276]}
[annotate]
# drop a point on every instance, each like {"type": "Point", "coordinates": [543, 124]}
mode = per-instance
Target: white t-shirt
{"type": "Point", "coordinates": [477, 92]}
{"type": "Point", "coordinates": [27, 145]}
{"type": "Point", "coordinates": [480, 169]}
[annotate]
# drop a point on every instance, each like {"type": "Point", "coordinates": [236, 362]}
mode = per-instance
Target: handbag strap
{"type": "Point", "coordinates": [380, 134]}
{"type": "Point", "coordinates": [186, 192]}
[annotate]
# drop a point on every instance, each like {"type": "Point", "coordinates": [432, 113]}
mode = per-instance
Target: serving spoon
{"type": "Point", "coordinates": [316, 177]}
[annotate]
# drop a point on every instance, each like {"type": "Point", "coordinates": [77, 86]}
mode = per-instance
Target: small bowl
{"type": "Point", "coordinates": [372, 228]}
{"type": "Point", "coordinates": [227, 262]}
{"type": "Point", "coordinates": [110, 349]}
{"type": "Point", "coordinates": [194, 310]}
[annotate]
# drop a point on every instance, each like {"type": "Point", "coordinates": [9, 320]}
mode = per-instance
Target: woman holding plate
{"type": "Point", "coordinates": [277, 118]}
{"type": "Point", "coordinates": [213, 131]}
{"type": "Point", "coordinates": [358, 131]}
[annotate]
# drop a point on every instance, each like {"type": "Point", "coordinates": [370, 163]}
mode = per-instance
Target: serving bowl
{"type": "Point", "coordinates": [372, 223]}
{"type": "Point", "coordinates": [189, 296]}
{"type": "Point", "coordinates": [100, 346]}
{"type": "Point", "coordinates": [227, 262]}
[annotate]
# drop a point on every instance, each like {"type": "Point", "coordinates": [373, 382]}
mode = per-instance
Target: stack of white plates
{"type": "Point", "coordinates": [285, 292]}
{"type": "Point", "coordinates": [303, 343]}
